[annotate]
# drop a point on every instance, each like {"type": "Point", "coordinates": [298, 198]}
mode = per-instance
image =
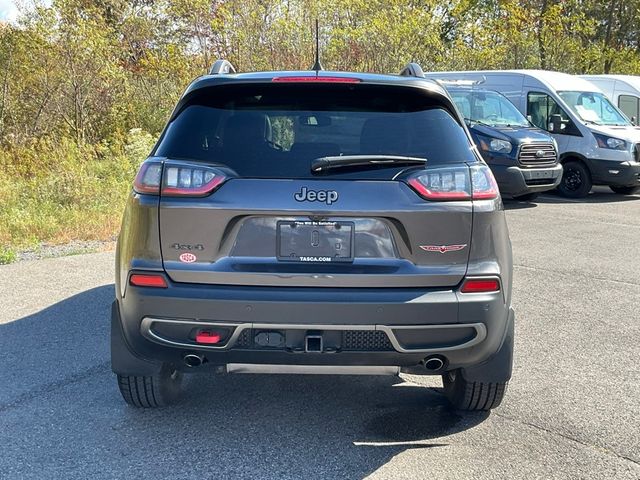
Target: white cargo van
{"type": "Point", "coordinates": [597, 143]}
{"type": "Point", "coordinates": [622, 90]}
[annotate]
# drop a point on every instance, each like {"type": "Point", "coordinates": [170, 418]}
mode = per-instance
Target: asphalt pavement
{"type": "Point", "coordinates": [572, 409]}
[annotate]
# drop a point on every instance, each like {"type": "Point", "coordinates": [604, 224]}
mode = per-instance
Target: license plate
{"type": "Point", "coordinates": [315, 242]}
{"type": "Point", "coordinates": [536, 174]}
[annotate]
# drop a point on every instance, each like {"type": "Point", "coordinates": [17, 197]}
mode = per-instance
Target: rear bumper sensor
{"type": "Point", "coordinates": [403, 338]}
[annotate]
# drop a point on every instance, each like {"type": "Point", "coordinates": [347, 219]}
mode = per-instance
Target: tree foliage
{"type": "Point", "coordinates": [86, 85]}
{"type": "Point", "coordinates": [90, 70]}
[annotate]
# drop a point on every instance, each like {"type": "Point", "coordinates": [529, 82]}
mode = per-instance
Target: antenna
{"type": "Point", "coordinates": [317, 66]}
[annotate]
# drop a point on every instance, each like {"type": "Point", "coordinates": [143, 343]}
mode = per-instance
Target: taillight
{"type": "Point", "coordinates": [148, 280]}
{"type": "Point", "coordinates": [480, 285]}
{"type": "Point", "coordinates": [148, 178]}
{"type": "Point", "coordinates": [190, 180]}
{"type": "Point", "coordinates": [483, 183]}
{"type": "Point", "coordinates": [443, 184]}
{"type": "Point", "coordinates": [177, 179]}
{"type": "Point", "coordinates": [455, 183]}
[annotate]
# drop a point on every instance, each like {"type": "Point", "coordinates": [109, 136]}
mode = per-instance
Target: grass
{"type": "Point", "coordinates": [57, 191]}
{"type": "Point", "coordinates": [7, 255]}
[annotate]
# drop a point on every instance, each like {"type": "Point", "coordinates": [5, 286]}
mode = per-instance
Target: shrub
{"type": "Point", "coordinates": [55, 191]}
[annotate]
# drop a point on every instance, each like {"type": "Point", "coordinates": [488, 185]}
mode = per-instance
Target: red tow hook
{"type": "Point", "coordinates": [208, 337]}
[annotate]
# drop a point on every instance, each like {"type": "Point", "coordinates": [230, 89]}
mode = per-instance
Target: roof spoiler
{"type": "Point", "coordinates": [221, 67]}
{"type": "Point", "coordinates": [412, 70]}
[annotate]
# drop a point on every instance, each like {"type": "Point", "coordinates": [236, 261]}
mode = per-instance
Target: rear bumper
{"type": "Point", "coordinates": [517, 181]}
{"type": "Point", "coordinates": [402, 338]}
{"type": "Point", "coordinates": [159, 325]}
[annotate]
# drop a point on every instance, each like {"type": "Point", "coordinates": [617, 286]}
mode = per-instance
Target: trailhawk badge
{"type": "Point", "coordinates": [442, 248]}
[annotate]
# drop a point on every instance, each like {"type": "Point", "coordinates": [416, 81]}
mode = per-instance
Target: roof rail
{"type": "Point", "coordinates": [462, 83]}
{"type": "Point", "coordinates": [221, 67]}
{"type": "Point", "coordinates": [412, 70]}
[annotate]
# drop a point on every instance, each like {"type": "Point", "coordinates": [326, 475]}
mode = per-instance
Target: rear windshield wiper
{"type": "Point", "coordinates": [322, 164]}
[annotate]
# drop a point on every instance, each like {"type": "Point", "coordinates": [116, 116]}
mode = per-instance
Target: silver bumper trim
{"type": "Point", "coordinates": [312, 369]}
{"type": "Point", "coordinates": [147, 332]}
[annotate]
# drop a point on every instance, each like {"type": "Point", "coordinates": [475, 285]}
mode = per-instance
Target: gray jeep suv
{"type": "Point", "coordinates": [314, 222]}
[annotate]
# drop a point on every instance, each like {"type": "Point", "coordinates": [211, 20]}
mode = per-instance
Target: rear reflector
{"type": "Point", "coordinates": [483, 285]}
{"type": "Point", "coordinates": [208, 337]}
{"type": "Point", "coordinates": [317, 79]}
{"type": "Point", "coordinates": [148, 280]}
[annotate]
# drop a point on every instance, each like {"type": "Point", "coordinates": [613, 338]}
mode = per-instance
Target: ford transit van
{"type": "Point", "coordinates": [622, 90]}
{"type": "Point", "coordinates": [523, 158]}
{"type": "Point", "coordinates": [597, 143]}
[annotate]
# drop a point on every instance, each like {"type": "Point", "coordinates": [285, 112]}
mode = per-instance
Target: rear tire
{"type": "Point", "coordinates": [153, 391]}
{"type": "Point", "coordinates": [576, 180]}
{"type": "Point", "coordinates": [527, 197]}
{"type": "Point", "coordinates": [624, 190]}
{"type": "Point", "coordinates": [472, 396]}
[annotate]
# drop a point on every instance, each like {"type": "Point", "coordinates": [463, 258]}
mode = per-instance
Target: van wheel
{"type": "Point", "coordinates": [576, 180]}
{"type": "Point", "coordinates": [625, 190]}
{"type": "Point", "coordinates": [153, 391]}
{"type": "Point", "coordinates": [527, 197]}
{"type": "Point", "coordinates": [472, 396]}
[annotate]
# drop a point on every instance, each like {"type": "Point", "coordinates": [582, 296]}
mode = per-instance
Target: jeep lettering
{"type": "Point", "coordinates": [326, 196]}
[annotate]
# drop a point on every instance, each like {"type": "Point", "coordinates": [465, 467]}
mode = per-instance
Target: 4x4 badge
{"type": "Point", "coordinates": [442, 248]}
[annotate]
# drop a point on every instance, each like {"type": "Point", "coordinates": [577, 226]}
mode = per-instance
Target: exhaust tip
{"type": "Point", "coordinates": [193, 360]}
{"type": "Point", "coordinates": [433, 364]}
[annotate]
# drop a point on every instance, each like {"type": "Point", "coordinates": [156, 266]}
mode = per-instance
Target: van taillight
{"type": "Point", "coordinates": [455, 183]}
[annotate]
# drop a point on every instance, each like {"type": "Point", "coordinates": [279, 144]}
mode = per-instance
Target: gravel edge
{"type": "Point", "coordinates": [76, 247]}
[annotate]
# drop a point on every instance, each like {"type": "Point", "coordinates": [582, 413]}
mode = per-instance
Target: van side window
{"type": "Point", "coordinates": [540, 107]}
{"type": "Point", "coordinates": [629, 106]}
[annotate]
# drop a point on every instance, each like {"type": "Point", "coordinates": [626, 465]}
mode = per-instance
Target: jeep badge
{"type": "Point", "coordinates": [306, 195]}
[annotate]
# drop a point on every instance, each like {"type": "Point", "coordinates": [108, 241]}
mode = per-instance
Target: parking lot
{"type": "Point", "coordinates": [572, 410]}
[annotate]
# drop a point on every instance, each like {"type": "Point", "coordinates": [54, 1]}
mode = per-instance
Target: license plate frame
{"type": "Point", "coordinates": [309, 241]}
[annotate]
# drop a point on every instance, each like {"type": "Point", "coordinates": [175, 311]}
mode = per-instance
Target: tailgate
{"type": "Point", "coordinates": [315, 233]}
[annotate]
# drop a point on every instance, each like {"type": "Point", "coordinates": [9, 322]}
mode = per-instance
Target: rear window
{"type": "Point", "coordinates": [277, 130]}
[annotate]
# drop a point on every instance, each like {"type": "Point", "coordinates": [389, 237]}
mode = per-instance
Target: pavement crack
{"type": "Point", "coordinates": [576, 274]}
{"type": "Point", "coordinates": [53, 386]}
{"type": "Point", "coordinates": [568, 437]}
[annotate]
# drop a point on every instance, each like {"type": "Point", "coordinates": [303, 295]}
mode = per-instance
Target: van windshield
{"type": "Point", "coordinates": [488, 107]}
{"type": "Point", "coordinates": [594, 107]}
{"type": "Point", "coordinates": [279, 130]}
